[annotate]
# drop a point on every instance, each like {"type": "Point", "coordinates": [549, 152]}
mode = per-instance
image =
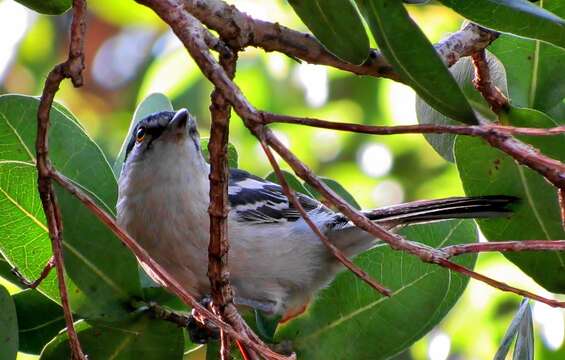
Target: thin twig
{"type": "Point", "coordinates": [218, 273]}
{"type": "Point", "coordinates": [561, 196]}
{"type": "Point", "coordinates": [337, 253]}
{"type": "Point", "coordinates": [71, 68]}
{"type": "Point", "coordinates": [170, 283]}
{"type": "Point", "coordinates": [495, 98]}
{"type": "Point", "coordinates": [505, 246]}
{"type": "Point", "coordinates": [35, 283]}
{"type": "Point", "coordinates": [469, 130]}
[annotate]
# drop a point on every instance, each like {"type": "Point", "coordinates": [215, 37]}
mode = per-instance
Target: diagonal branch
{"type": "Point", "coordinates": [71, 68]}
{"type": "Point", "coordinates": [241, 30]}
{"type": "Point", "coordinates": [170, 283]}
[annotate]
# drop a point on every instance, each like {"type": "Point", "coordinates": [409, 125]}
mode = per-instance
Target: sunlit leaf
{"type": "Point", "coordinates": [415, 59]}
{"type": "Point", "coordinates": [463, 73]}
{"type": "Point", "coordinates": [519, 17]}
{"type": "Point", "coordinates": [536, 73]}
{"type": "Point", "coordinates": [39, 320]}
{"type": "Point", "coordinates": [485, 170]}
{"type": "Point", "coordinates": [49, 7]}
{"type": "Point", "coordinates": [138, 338]}
{"type": "Point", "coordinates": [337, 24]}
{"type": "Point", "coordinates": [102, 270]}
{"type": "Point", "coordinates": [348, 310]}
{"type": "Point", "coordinates": [124, 13]}
{"type": "Point", "coordinates": [153, 103]}
{"type": "Point", "coordinates": [8, 326]}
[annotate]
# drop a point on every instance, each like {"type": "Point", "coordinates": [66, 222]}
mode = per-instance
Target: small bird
{"type": "Point", "coordinates": [276, 262]}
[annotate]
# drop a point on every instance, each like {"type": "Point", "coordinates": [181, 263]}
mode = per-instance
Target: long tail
{"type": "Point", "coordinates": [354, 241]}
{"type": "Point", "coordinates": [443, 209]}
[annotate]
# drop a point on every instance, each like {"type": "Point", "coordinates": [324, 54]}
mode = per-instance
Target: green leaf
{"type": "Point", "coordinates": [291, 180]}
{"type": "Point", "coordinates": [151, 104]}
{"type": "Point", "coordinates": [348, 309]}
{"type": "Point", "coordinates": [6, 272]}
{"type": "Point", "coordinates": [337, 188]}
{"type": "Point", "coordinates": [103, 272]}
{"type": "Point", "coordinates": [510, 334]}
{"type": "Point", "coordinates": [524, 348]}
{"type": "Point", "coordinates": [232, 153]}
{"type": "Point", "coordinates": [415, 59]}
{"type": "Point", "coordinates": [485, 170]}
{"type": "Point", "coordinates": [536, 72]}
{"type": "Point", "coordinates": [519, 17]}
{"type": "Point", "coordinates": [138, 338]}
{"type": "Point", "coordinates": [463, 73]}
{"type": "Point", "coordinates": [337, 24]}
{"type": "Point", "coordinates": [49, 7]}
{"type": "Point", "coordinates": [39, 320]}
{"type": "Point", "coordinates": [8, 326]}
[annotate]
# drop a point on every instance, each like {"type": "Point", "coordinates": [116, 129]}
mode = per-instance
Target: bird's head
{"type": "Point", "coordinates": [162, 141]}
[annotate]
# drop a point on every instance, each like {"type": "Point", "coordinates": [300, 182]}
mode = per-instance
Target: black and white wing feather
{"type": "Point", "coordinates": [256, 200]}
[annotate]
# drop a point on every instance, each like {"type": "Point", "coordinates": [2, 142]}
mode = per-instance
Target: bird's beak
{"type": "Point", "coordinates": [179, 119]}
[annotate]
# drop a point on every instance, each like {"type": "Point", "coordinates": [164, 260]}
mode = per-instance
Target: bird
{"type": "Point", "coordinates": [277, 263]}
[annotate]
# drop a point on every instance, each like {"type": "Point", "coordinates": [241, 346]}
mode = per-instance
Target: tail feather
{"type": "Point", "coordinates": [451, 208]}
{"type": "Point", "coordinates": [350, 239]}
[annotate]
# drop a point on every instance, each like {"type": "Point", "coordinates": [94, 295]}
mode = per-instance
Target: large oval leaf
{"type": "Point", "coordinates": [8, 326]}
{"type": "Point", "coordinates": [39, 320]}
{"type": "Point", "coordinates": [535, 70]}
{"type": "Point", "coordinates": [349, 320]}
{"type": "Point", "coordinates": [138, 338]}
{"type": "Point", "coordinates": [463, 73]}
{"type": "Point", "coordinates": [337, 24]}
{"type": "Point", "coordinates": [415, 59]}
{"type": "Point", "coordinates": [103, 272]}
{"type": "Point", "coordinates": [519, 17]}
{"type": "Point", "coordinates": [49, 7]}
{"type": "Point", "coordinates": [485, 170]}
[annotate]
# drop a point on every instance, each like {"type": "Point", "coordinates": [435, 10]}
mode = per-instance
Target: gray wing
{"type": "Point", "coordinates": [256, 200]}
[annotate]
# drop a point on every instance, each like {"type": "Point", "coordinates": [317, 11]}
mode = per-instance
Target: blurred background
{"type": "Point", "coordinates": [130, 54]}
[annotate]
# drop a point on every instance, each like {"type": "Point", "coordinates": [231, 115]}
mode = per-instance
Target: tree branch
{"type": "Point", "coordinates": [469, 130]}
{"type": "Point", "coordinates": [241, 30]}
{"type": "Point", "coordinates": [218, 273]}
{"type": "Point", "coordinates": [191, 33]}
{"type": "Point", "coordinates": [495, 98]}
{"type": "Point", "coordinates": [35, 283]}
{"type": "Point", "coordinates": [71, 68]}
{"type": "Point", "coordinates": [505, 246]}
{"type": "Point", "coordinates": [169, 282]}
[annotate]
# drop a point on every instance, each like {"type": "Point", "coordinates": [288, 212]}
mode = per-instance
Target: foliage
{"type": "Point", "coordinates": [347, 319]}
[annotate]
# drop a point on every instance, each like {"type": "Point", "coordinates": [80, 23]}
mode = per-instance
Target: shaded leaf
{"type": "Point", "coordinates": [151, 104]}
{"type": "Point", "coordinates": [337, 24]}
{"type": "Point", "coordinates": [485, 171]}
{"type": "Point", "coordinates": [8, 326]}
{"type": "Point", "coordinates": [102, 270]}
{"type": "Point", "coordinates": [415, 59]}
{"type": "Point", "coordinates": [510, 334]}
{"type": "Point", "coordinates": [137, 338]}
{"type": "Point", "coordinates": [536, 73]}
{"type": "Point", "coordinates": [519, 17]}
{"type": "Point", "coordinates": [49, 7]}
{"type": "Point", "coordinates": [348, 309]}
{"type": "Point", "coordinates": [6, 272]}
{"type": "Point", "coordinates": [232, 153]}
{"type": "Point", "coordinates": [463, 73]}
{"type": "Point", "coordinates": [337, 188]}
{"type": "Point", "coordinates": [291, 180]}
{"type": "Point", "coordinates": [39, 320]}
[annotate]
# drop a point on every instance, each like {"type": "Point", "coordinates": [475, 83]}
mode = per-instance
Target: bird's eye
{"type": "Point", "coordinates": [140, 135]}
